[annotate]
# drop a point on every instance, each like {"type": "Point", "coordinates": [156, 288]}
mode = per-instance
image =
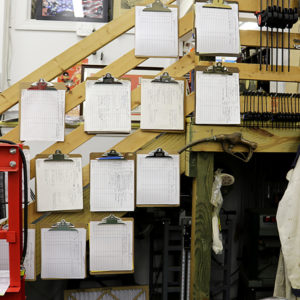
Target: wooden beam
{"type": "Point", "coordinates": [268, 140]}
{"type": "Point", "coordinates": [202, 227]}
{"type": "Point", "coordinates": [252, 72]}
{"type": "Point", "coordinates": [254, 5]}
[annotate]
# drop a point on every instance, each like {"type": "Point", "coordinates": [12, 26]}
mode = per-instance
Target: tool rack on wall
{"type": "Point", "coordinates": [201, 168]}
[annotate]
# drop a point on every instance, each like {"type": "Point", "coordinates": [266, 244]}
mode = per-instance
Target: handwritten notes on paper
{"type": "Point", "coordinates": [162, 105]}
{"type": "Point", "coordinates": [156, 33]}
{"type": "Point", "coordinates": [217, 99]}
{"type": "Point", "coordinates": [217, 30]}
{"type": "Point", "coordinates": [107, 107]}
{"type": "Point", "coordinates": [63, 253]}
{"type": "Point", "coordinates": [111, 247]}
{"type": "Point", "coordinates": [59, 185]}
{"type": "Point", "coordinates": [112, 185]}
{"type": "Point", "coordinates": [42, 115]}
{"type": "Point", "coordinates": [158, 180]}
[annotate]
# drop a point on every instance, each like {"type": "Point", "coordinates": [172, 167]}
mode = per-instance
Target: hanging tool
{"type": "Point", "coordinates": [271, 24]}
{"type": "Point", "coordinates": [261, 21]}
{"type": "Point", "coordinates": [228, 142]}
{"type": "Point", "coordinates": [277, 17]}
{"type": "Point", "coordinates": [292, 19]}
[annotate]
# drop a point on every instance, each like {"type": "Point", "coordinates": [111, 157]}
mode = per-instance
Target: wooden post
{"type": "Point", "coordinates": [202, 227]}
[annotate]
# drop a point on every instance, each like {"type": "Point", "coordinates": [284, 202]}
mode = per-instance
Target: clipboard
{"type": "Point", "coordinates": [156, 7]}
{"type": "Point", "coordinates": [108, 109]}
{"type": "Point", "coordinates": [147, 109]}
{"type": "Point", "coordinates": [31, 227]}
{"type": "Point", "coordinates": [213, 110]}
{"type": "Point", "coordinates": [162, 183]}
{"type": "Point", "coordinates": [42, 86]}
{"type": "Point", "coordinates": [76, 189]}
{"type": "Point", "coordinates": [105, 223]}
{"type": "Point", "coordinates": [65, 228]}
{"type": "Point", "coordinates": [142, 292]}
{"type": "Point", "coordinates": [113, 162]}
{"type": "Point", "coordinates": [221, 5]}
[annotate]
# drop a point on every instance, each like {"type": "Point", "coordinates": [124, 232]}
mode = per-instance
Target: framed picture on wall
{"type": "Point", "coordinates": [73, 10]}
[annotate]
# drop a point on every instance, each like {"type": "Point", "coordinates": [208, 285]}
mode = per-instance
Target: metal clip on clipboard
{"type": "Point", "coordinates": [164, 78]}
{"type": "Point", "coordinates": [63, 226]}
{"type": "Point", "coordinates": [58, 156]}
{"type": "Point", "coordinates": [159, 152]}
{"type": "Point", "coordinates": [42, 85]}
{"type": "Point", "coordinates": [111, 155]}
{"type": "Point", "coordinates": [217, 69]}
{"type": "Point", "coordinates": [108, 79]}
{"type": "Point", "coordinates": [111, 219]}
{"type": "Point", "coordinates": [157, 6]}
{"type": "Point", "coordinates": [217, 4]}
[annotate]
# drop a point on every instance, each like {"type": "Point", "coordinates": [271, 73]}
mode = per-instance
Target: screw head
{"type": "Point", "coordinates": [12, 164]}
{"type": "Point", "coordinates": [12, 150]}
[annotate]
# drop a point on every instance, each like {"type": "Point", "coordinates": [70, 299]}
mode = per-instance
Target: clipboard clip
{"type": "Point", "coordinates": [107, 79]}
{"type": "Point", "coordinates": [157, 6]}
{"type": "Point", "coordinates": [217, 68]}
{"type": "Point", "coordinates": [217, 4]}
{"type": "Point", "coordinates": [58, 156]}
{"type": "Point", "coordinates": [42, 85]}
{"type": "Point", "coordinates": [159, 152]}
{"type": "Point", "coordinates": [164, 78]}
{"type": "Point", "coordinates": [111, 219]}
{"type": "Point", "coordinates": [111, 155]}
{"type": "Point", "coordinates": [297, 43]}
{"type": "Point", "coordinates": [63, 226]}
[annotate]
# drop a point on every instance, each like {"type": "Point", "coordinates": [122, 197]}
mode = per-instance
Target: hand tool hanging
{"type": "Point", "coordinates": [275, 17]}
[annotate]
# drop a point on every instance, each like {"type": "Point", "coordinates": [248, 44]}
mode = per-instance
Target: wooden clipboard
{"type": "Point", "coordinates": [43, 156]}
{"type": "Point", "coordinates": [127, 156]}
{"type": "Point", "coordinates": [184, 100]}
{"type": "Point", "coordinates": [156, 205]}
{"type": "Point", "coordinates": [28, 85]}
{"type": "Point", "coordinates": [117, 272]}
{"type": "Point", "coordinates": [211, 54]}
{"type": "Point", "coordinates": [49, 226]}
{"type": "Point", "coordinates": [144, 291]}
{"type": "Point", "coordinates": [169, 6]}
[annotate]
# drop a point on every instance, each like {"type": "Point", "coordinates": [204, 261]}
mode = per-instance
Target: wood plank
{"type": "Point", "coordinates": [254, 5]}
{"type": "Point", "coordinates": [71, 56]}
{"type": "Point", "coordinates": [202, 227]}
{"type": "Point", "coordinates": [268, 140]}
{"type": "Point", "coordinates": [251, 71]}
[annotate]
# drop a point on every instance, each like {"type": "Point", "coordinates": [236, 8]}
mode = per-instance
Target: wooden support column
{"type": "Point", "coordinates": [202, 227]}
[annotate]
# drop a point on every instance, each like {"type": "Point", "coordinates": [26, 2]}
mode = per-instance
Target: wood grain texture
{"type": "Point", "coordinates": [202, 227]}
{"type": "Point", "coordinates": [254, 5]}
{"type": "Point", "coordinates": [251, 71]}
{"type": "Point", "coordinates": [268, 140]}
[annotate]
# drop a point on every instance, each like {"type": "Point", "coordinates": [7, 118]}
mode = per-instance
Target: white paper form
{"type": "Point", "coordinates": [112, 185]}
{"type": "Point", "coordinates": [111, 247]}
{"type": "Point", "coordinates": [63, 253]}
{"type": "Point", "coordinates": [4, 281]}
{"type": "Point", "coordinates": [158, 180]}
{"type": "Point", "coordinates": [59, 185]}
{"type": "Point", "coordinates": [29, 262]}
{"type": "Point", "coordinates": [42, 115]}
{"type": "Point", "coordinates": [107, 107]}
{"type": "Point", "coordinates": [217, 99]}
{"type": "Point", "coordinates": [162, 105]}
{"type": "Point", "coordinates": [156, 33]}
{"type": "Point", "coordinates": [217, 30]}
{"type": "Point", "coordinates": [4, 255]}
